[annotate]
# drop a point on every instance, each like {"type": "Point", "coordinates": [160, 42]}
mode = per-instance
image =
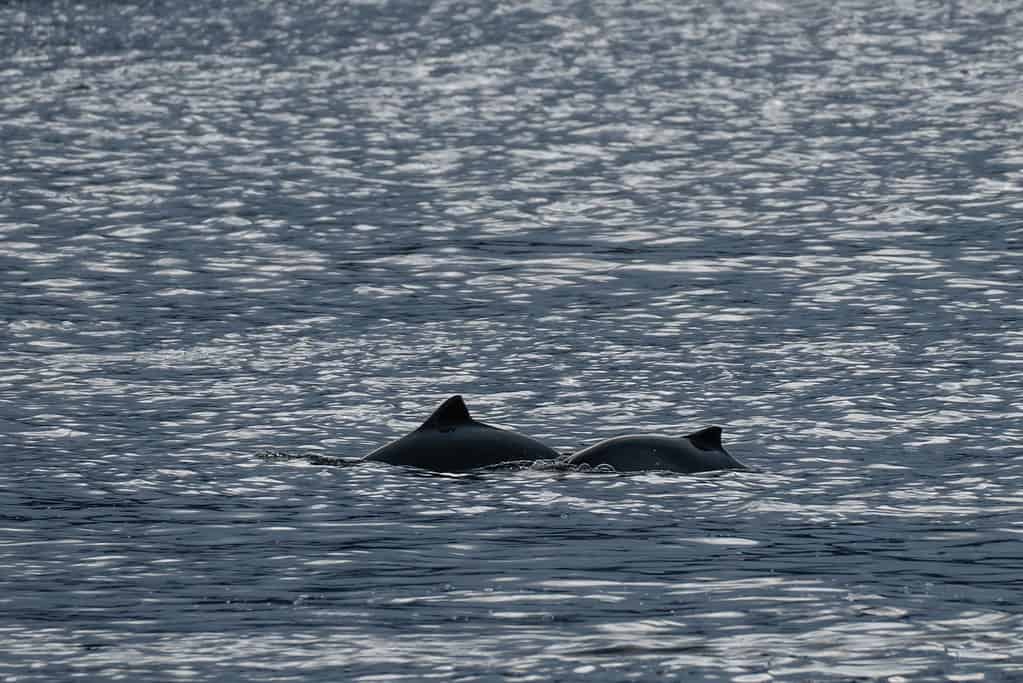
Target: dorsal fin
{"type": "Point", "coordinates": [449, 415]}
{"type": "Point", "coordinates": [708, 439]}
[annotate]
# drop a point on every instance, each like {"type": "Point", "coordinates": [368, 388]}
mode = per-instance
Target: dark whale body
{"type": "Point", "coordinates": [700, 451]}
{"type": "Point", "coordinates": [451, 441]}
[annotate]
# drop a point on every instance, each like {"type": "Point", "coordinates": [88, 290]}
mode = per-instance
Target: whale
{"type": "Point", "coordinates": [700, 451]}
{"type": "Point", "coordinates": [452, 441]}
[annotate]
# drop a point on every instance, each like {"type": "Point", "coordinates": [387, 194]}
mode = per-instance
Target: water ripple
{"type": "Point", "coordinates": [226, 228]}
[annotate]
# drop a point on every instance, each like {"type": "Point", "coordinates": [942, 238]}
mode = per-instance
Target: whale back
{"type": "Point", "coordinates": [450, 440]}
{"type": "Point", "coordinates": [701, 451]}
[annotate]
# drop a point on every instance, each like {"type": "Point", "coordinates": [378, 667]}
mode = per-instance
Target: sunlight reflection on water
{"type": "Point", "coordinates": [264, 225]}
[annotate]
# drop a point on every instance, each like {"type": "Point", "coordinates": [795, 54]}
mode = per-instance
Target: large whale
{"type": "Point", "coordinates": [451, 441]}
{"type": "Point", "coordinates": [700, 451]}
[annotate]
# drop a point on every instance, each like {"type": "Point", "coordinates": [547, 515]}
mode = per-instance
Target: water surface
{"type": "Point", "coordinates": [296, 226]}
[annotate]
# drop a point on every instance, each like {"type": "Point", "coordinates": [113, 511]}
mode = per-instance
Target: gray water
{"type": "Point", "coordinates": [228, 228]}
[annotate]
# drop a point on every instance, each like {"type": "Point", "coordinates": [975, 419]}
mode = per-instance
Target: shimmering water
{"type": "Point", "coordinates": [232, 227]}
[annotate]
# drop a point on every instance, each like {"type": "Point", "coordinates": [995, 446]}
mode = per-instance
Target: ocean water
{"type": "Point", "coordinates": [228, 228]}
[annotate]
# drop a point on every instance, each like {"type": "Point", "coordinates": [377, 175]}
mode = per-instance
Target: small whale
{"type": "Point", "coordinates": [700, 451]}
{"type": "Point", "coordinates": [451, 441]}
